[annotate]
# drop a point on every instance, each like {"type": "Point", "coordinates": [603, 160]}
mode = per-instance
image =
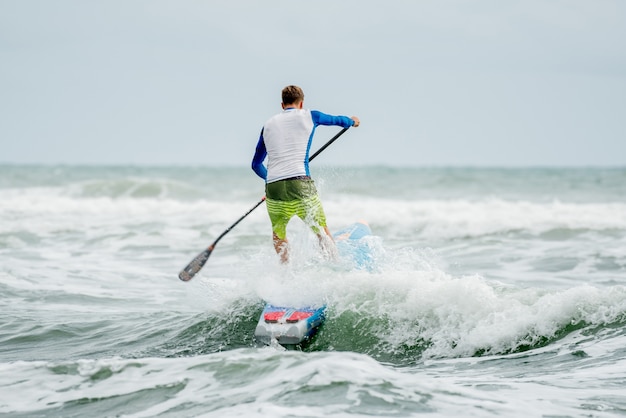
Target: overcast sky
{"type": "Point", "coordinates": [434, 82]}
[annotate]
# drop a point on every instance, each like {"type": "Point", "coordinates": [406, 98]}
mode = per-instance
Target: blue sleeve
{"type": "Point", "coordinates": [259, 157]}
{"type": "Point", "coordinates": [320, 118]}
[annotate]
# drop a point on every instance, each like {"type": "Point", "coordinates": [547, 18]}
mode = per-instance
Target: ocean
{"type": "Point", "coordinates": [493, 292]}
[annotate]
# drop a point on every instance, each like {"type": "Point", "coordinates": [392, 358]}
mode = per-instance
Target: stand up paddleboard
{"type": "Point", "coordinates": [292, 325]}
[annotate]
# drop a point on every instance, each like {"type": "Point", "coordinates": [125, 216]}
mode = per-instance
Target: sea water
{"type": "Point", "coordinates": [492, 292]}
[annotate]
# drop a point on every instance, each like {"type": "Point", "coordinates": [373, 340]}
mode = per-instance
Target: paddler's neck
{"type": "Point", "coordinates": [297, 105]}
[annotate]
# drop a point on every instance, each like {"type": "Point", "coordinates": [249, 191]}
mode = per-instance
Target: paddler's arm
{"type": "Point", "coordinates": [320, 118]}
{"type": "Point", "coordinates": [259, 157]}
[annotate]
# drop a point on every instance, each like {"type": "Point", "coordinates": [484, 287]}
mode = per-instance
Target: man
{"type": "Point", "coordinates": [286, 140]}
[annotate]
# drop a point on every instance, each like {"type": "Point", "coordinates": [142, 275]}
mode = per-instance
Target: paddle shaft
{"type": "Point", "coordinates": [197, 263]}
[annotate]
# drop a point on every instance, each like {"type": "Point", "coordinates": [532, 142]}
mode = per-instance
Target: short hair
{"type": "Point", "coordinates": [292, 94]}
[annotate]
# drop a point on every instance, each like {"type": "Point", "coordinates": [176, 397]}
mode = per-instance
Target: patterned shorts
{"type": "Point", "coordinates": [289, 197]}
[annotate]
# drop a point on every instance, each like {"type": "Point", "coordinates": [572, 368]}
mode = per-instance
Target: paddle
{"type": "Point", "coordinates": [197, 263]}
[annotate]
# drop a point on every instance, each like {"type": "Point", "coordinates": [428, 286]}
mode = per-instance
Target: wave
{"type": "Point", "coordinates": [241, 382]}
{"type": "Point", "coordinates": [470, 218]}
{"type": "Point", "coordinates": [403, 317]}
{"type": "Point", "coordinates": [271, 382]}
{"type": "Point", "coordinates": [427, 218]}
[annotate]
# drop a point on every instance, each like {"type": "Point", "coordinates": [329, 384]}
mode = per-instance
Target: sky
{"type": "Point", "coordinates": [434, 82]}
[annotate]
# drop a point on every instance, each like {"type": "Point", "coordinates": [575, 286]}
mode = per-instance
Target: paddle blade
{"type": "Point", "coordinates": [196, 264]}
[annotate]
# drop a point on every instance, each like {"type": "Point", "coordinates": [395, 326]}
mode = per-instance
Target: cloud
{"type": "Point", "coordinates": [434, 82]}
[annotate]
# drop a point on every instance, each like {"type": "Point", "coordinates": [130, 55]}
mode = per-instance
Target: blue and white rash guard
{"type": "Point", "coordinates": [286, 140]}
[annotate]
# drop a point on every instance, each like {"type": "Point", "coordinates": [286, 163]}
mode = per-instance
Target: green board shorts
{"type": "Point", "coordinates": [295, 196]}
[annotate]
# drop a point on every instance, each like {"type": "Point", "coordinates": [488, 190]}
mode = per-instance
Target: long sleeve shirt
{"type": "Point", "coordinates": [286, 141]}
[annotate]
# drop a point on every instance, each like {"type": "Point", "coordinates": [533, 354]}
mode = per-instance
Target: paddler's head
{"type": "Point", "coordinates": [293, 96]}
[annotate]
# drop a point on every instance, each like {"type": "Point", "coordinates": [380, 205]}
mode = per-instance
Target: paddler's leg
{"type": "Point", "coordinates": [280, 213]}
{"type": "Point", "coordinates": [328, 244]}
{"type": "Point", "coordinates": [280, 209]}
{"type": "Point", "coordinates": [282, 248]}
{"type": "Point", "coordinates": [315, 217]}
